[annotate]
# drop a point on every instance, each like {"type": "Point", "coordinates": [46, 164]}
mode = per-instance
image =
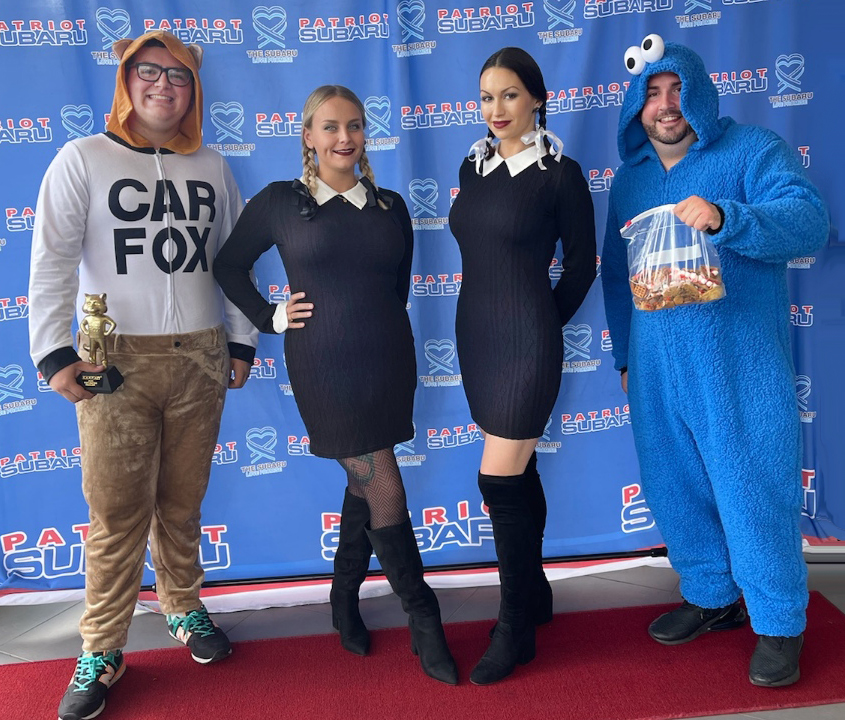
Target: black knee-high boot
{"type": "Point", "coordinates": [543, 599]}
{"type": "Point", "coordinates": [351, 563]}
{"type": "Point", "coordinates": [516, 547]}
{"type": "Point", "coordinates": [397, 551]}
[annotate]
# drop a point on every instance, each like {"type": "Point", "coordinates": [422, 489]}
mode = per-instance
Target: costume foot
{"type": "Point", "coordinates": [688, 621]}
{"type": "Point", "coordinates": [775, 661]}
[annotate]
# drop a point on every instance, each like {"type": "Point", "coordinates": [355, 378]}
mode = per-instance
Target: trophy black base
{"type": "Point", "coordinates": [102, 382]}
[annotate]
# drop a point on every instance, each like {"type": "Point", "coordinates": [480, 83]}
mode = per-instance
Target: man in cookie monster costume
{"type": "Point", "coordinates": [137, 214]}
{"type": "Point", "coordinates": [712, 386]}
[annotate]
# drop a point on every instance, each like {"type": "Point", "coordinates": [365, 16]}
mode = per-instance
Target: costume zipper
{"type": "Point", "coordinates": [171, 279]}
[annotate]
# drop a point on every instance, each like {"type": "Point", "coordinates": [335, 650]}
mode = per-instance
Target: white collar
{"type": "Point", "coordinates": [356, 195]}
{"type": "Point", "coordinates": [516, 163]}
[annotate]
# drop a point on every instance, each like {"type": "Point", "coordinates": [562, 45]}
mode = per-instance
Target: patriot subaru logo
{"type": "Point", "coordinates": [113, 25]}
{"type": "Point", "coordinates": [78, 120]}
{"type": "Point", "coordinates": [440, 355]}
{"type": "Point", "coordinates": [561, 16]}
{"type": "Point", "coordinates": [698, 13]}
{"type": "Point", "coordinates": [789, 69]}
{"type": "Point", "coordinates": [261, 443]}
{"type": "Point", "coordinates": [577, 340]}
{"type": "Point", "coordinates": [228, 121]}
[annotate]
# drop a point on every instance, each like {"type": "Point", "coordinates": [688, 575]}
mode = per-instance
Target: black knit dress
{"type": "Point", "coordinates": [352, 367]}
{"type": "Point", "coordinates": [509, 320]}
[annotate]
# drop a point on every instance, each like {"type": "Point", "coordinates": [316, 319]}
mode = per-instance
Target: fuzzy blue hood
{"type": "Point", "coordinates": [699, 103]}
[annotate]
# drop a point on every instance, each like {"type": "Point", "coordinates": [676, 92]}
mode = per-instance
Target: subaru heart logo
{"type": "Point", "coordinates": [424, 196]}
{"type": "Point", "coordinates": [440, 354]}
{"type": "Point", "coordinates": [789, 69]}
{"type": "Point", "coordinates": [803, 386]}
{"type": "Point", "coordinates": [560, 12]}
{"type": "Point", "coordinates": [11, 383]}
{"type": "Point", "coordinates": [378, 114]}
{"type": "Point", "coordinates": [270, 23]}
{"type": "Point", "coordinates": [411, 16]}
{"type": "Point", "coordinates": [261, 443]}
{"type": "Point", "coordinates": [78, 120]}
{"type": "Point", "coordinates": [576, 341]}
{"type": "Point", "coordinates": [113, 25]}
{"type": "Point", "coordinates": [228, 119]}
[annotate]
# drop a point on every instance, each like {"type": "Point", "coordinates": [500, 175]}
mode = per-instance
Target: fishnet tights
{"type": "Point", "coordinates": [375, 477]}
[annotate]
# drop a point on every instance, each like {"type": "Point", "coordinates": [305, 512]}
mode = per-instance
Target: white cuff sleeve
{"type": "Point", "coordinates": [280, 318]}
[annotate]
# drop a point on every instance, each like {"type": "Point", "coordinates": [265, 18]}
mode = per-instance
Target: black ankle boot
{"type": "Point", "coordinates": [397, 551]}
{"type": "Point", "coordinates": [516, 547]}
{"type": "Point", "coordinates": [351, 563]}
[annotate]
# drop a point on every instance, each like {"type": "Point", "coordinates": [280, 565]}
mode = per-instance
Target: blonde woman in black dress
{"type": "Point", "coordinates": [346, 246]}
{"type": "Point", "coordinates": [518, 198]}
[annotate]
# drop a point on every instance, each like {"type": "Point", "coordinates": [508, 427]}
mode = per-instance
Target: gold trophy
{"type": "Point", "coordinates": [97, 326]}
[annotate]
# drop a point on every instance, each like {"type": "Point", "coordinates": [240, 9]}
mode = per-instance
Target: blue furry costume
{"type": "Point", "coordinates": [712, 386]}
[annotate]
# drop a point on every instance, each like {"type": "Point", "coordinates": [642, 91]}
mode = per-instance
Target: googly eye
{"type": "Point", "coordinates": [653, 48]}
{"type": "Point", "coordinates": [634, 61]}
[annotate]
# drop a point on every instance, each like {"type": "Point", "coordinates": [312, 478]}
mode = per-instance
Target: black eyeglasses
{"type": "Point", "coordinates": [150, 72]}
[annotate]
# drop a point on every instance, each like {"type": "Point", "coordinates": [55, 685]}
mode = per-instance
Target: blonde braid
{"type": "Point", "coordinates": [367, 172]}
{"type": "Point", "coordinates": [309, 168]}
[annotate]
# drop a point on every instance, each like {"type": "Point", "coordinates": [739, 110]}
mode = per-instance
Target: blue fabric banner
{"type": "Point", "coordinates": [272, 508]}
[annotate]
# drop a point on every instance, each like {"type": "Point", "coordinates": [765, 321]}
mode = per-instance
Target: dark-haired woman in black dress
{"type": "Point", "coordinates": [349, 350]}
{"type": "Point", "coordinates": [518, 198]}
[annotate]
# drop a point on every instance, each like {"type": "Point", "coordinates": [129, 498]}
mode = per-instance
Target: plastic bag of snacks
{"type": "Point", "coordinates": [670, 263]}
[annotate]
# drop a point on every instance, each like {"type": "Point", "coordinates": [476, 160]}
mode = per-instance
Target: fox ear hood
{"type": "Point", "coordinates": [189, 137]}
{"type": "Point", "coordinates": [699, 96]}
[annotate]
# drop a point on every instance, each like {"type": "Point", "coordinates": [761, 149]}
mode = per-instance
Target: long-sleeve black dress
{"type": "Point", "coordinates": [509, 320]}
{"type": "Point", "coordinates": [352, 367]}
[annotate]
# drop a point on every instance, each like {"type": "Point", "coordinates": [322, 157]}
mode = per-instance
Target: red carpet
{"type": "Point", "coordinates": [596, 665]}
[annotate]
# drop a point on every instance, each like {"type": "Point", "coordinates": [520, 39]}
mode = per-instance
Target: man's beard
{"type": "Point", "coordinates": [670, 136]}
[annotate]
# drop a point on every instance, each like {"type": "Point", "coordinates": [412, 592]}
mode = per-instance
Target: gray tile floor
{"type": "Point", "coordinates": [41, 632]}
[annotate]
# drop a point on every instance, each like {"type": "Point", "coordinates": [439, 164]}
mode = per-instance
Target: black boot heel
{"type": "Point", "coordinates": [346, 619]}
{"type": "Point", "coordinates": [429, 642]}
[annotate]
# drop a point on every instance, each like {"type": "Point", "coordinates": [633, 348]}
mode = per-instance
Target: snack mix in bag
{"type": "Point", "coordinates": [669, 263]}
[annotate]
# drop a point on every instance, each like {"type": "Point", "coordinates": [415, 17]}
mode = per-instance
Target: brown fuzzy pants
{"type": "Point", "coordinates": [146, 457]}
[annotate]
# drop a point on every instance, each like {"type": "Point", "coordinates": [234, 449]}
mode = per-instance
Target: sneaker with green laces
{"type": "Point", "coordinates": [207, 642]}
{"type": "Point", "coordinates": [95, 673]}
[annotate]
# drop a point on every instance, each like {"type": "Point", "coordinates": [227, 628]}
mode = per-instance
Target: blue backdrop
{"type": "Point", "coordinates": [272, 508]}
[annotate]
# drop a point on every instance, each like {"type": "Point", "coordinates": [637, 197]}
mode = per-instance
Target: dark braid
{"type": "Point", "coordinates": [490, 151]}
{"type": "Point", "coordinates": [542, 123]}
